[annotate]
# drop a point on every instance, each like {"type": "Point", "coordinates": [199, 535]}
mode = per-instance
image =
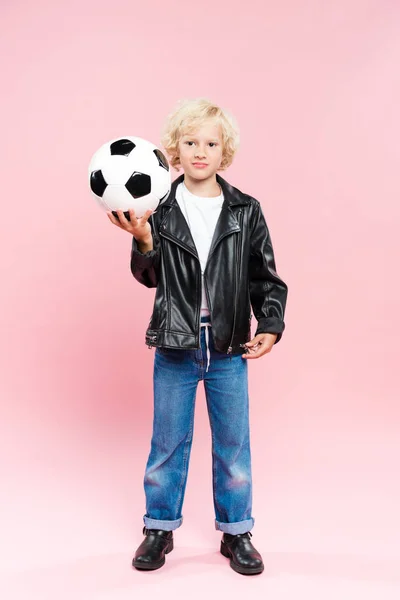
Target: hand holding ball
{"type": "Point", "coordinates": [129, 174]}
{"type": "Point", "coordinates": [138, 227]}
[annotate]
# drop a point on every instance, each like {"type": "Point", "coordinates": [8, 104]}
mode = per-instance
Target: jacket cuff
{"type": "Point", "coordinates": [144, 261]}
{"type": "Point", "coordinates": [271, 325]}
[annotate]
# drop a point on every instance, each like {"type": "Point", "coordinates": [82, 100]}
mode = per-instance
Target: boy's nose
{"type": "Point", "coordinates": [199, 153]}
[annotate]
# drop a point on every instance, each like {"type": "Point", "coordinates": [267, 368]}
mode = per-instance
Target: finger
{"type": "Point", "coordinates": [251, 343]}
{"type": "Point", "coordinates": [113, 219]}
{"type": "Point", "coordinates": [256, 340]}
{"type": "Point", "coordinates": [146, 216]}
{"type": "Point", "coordinates": [123, 220]}
{"type": "Point", "coordinates": [133, 217]}
{"type": "Point", "coordinates": [262, 348]}
{"type": "Point", "coordinates": [254, 347]}
{"type": "Point", "coordinates": [253, 355]}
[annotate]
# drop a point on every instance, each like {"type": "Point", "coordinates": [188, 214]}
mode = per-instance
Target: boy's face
{"type": "Point", "coordinates": [200, 151]}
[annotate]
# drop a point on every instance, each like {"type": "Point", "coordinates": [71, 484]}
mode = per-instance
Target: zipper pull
{"type": "Point", "coordinates": [151, 338]}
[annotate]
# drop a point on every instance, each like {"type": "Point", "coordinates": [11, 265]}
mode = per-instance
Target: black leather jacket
{"type": "Point", "coordinates": [239, 275]}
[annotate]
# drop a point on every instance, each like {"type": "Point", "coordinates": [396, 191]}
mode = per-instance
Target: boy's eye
{"type": "Point", "coordinates": [211, 143]}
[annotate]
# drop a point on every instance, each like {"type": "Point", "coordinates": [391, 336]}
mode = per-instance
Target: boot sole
{"type": "Point", "coordinates": [242, 570]}
{"type": "Point", "coordinates": [155, 565]}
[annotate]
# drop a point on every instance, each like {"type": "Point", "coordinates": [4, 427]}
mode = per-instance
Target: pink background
{"type": "Point", "coordinates": [315, 87]}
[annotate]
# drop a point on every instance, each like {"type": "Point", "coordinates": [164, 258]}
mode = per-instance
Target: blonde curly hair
{"type": "Point", "coordinates": [187, 116]}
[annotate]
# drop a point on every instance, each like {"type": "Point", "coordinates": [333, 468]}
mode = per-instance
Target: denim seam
{"type": "Point", "coordinates": [185, 457]}
{"type": "Point", "coordinates": [213, 459]}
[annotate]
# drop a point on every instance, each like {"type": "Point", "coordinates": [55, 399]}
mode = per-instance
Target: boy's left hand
{"type": "Point", "coordinates": [261, 344]}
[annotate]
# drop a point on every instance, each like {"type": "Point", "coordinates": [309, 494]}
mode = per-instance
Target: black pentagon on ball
{"type": "Point", "coordinates": [97, 183]}
{"type": "Point", "coordinates": [162, 161]}
{"type": "Point", "coordinates": [138, 184]}
{"type": "Point", "coordinates": [122, 147]}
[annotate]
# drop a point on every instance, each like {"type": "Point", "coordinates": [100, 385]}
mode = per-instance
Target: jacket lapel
{"type": "Point", "coordinates": [227, 223]}
{"type": "Point", "coordinates": [174, 224]}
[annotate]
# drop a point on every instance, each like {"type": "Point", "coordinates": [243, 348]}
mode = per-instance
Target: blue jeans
{"type": "Point", "coordinates": [176, 375]}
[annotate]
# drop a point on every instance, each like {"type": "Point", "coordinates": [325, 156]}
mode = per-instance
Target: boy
{"type": "Point", "coordinates": [208, 251]}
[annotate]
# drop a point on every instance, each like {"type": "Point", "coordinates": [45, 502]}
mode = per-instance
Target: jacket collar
{"type": "Point", "coordinates": [175, 226]}
{"type": "Point", "coordinates": [232, 195]}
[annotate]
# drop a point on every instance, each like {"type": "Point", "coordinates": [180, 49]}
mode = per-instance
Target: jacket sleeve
{"type": "Point", "coordinates": [268, 293]}
{"type": "Point", "coordinates": [145, 267]}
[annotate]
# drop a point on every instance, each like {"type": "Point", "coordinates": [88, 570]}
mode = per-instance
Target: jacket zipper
{"type": "Point", "coordinates": [153, 339]}
{"type": "Point", "coordinates": [236, 286]}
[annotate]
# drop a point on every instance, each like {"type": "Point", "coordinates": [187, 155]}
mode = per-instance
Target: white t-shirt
{"type": "Point", "coordinates": [201, 215]}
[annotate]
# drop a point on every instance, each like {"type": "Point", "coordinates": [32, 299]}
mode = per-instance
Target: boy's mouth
{"type": "Point", "coordinates": [200, 165]}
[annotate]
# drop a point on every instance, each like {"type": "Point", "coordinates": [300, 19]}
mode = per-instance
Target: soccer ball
{"type": "Point", "coordinates": [129, 173]}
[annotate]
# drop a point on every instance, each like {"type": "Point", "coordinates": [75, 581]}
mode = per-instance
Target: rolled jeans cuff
{"type": "Point", "coordinates": [159, 524]}
{"type": "Point", "coordinates": [234, 528]}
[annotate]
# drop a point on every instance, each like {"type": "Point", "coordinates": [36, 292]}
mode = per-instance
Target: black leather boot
{"type": "Point", "coordinates": [245, 559]}
{"type": "Point", "coordinates": [151, 553]}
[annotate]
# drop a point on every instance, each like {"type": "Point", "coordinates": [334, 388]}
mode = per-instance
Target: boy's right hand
{"type": "Point", "coordinates": [138, 227]}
